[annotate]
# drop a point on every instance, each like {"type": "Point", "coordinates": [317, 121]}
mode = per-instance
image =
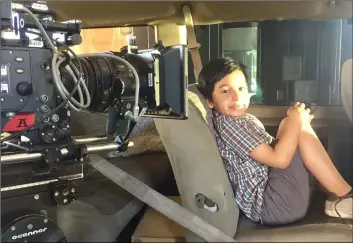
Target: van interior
{"type": "Point", "coordinates": [293, 50]}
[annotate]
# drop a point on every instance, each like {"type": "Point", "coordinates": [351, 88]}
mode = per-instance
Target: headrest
{"type": "Point", "coordinates": [199, 102]}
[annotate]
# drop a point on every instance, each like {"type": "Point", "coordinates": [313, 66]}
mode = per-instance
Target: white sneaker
{"type": "Point", "coordinates": [340, 207]}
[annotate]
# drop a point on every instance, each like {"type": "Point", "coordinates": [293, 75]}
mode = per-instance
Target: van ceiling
{"type": "Point", "coordinates": [123, 13]}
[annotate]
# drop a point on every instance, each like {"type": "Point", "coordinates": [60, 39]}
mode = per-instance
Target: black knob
{"type": "Point", "coordinates": [24, 88]}
{"type": "Point", "coordinates": [75, 39]}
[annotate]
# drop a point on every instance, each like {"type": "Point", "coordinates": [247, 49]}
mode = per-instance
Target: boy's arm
{"type": "Point", "coordinates": [281, 155]}
{"type": "Point", "coordinates": [248, 139]}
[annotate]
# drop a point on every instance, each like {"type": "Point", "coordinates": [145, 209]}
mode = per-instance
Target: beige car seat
{"type": "Point", "coordinates": [200, 174]}
{"type": "Point", "coordinates": [198, 168]}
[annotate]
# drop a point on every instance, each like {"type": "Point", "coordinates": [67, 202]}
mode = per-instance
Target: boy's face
{"type": "Point", "coordinates": [230, 95]}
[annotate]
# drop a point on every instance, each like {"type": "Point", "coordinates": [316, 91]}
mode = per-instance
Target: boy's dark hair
{"type": "Point", "coordinates": [214, 71]}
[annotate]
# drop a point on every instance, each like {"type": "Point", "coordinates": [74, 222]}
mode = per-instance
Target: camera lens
{"type": "Point", "coordinates": [108, 79]}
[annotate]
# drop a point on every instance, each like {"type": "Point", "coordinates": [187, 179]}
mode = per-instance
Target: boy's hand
{"type": "Point", "coordinates": [298, 111]}
{"type": "Point", "coordinates": [307, 117]}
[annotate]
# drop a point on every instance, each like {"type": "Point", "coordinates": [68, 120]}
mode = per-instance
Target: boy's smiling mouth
{"type": "Point", "coordinates": [238, 106]}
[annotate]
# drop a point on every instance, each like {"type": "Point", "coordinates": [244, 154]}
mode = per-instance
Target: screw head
{"type": "Point", "coordinates": [45, 221]}
{"type": "Point", "coordinates": [55, 118]}
{"type": "Point", "coordinates": [73, 190]}
{"type": "Point", "coordinates": [44, 98]}
{"type": "Point", "coordinates": [30, 226]}
{"type": "Point", "coordinates": [44, 108]}
{"type": "Point", "coordinates": [45, 66]}
{"type": "Point", "coordinates": [13, 228]}
{"type": "Point", "coordinates": [65, 200]}
{"type": "Point", "coordinates": [36, 197]}
{"type": "Point", "coordinates": [56, 193]}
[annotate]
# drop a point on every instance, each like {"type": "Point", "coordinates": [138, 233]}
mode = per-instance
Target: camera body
{"type": "Point", "coordinates": [28, 92]}
{"type": "Point", "coordinates": [42, 163]}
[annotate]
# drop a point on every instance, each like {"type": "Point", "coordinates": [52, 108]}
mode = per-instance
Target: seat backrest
{"type": "Point", "coordinates": [346, 87]}
{"type": "Point", "coordinates": [197, 164]}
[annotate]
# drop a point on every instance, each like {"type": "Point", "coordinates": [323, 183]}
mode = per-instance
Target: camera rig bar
{"type": "Point", "coordinates": [28, 157]}
{"type": "Point", "coordinates": [36, 8]}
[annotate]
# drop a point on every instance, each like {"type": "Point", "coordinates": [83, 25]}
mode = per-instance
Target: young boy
{"type": "Point", "coordinates": [269, 175]}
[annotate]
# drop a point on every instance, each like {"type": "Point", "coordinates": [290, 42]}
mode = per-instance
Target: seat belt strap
{"type": "Point", "coordinates": [159, 202]}
{"type": "Point", "coordinates": [192, 42]}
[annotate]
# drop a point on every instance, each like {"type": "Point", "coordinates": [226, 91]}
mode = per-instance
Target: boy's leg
{"type": "Point", "coordinates": [287, 194]}
{"type": "Point", "coordinates": [318, 162]}
{"type": "Point", "coordinates": [321, 166]}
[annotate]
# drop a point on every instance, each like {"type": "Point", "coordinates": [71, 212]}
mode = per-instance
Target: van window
{"type": "Point", "coordinates": [113, 39]}
{"type": "Point", "coordinates": [289, 60]}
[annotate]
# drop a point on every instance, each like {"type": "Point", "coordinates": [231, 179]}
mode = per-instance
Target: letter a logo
{"type": "Point", "coordinates": [22, 122]}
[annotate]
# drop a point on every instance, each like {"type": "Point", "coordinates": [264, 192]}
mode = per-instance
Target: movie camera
{"type": "Point", "coordinates": [43, 80]}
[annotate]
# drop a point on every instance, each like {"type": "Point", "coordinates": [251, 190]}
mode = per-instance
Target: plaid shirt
{"type": "Point", "coordinates": [236, 138]}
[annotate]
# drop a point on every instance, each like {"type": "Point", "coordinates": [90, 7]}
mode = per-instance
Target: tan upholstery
{"type": "Point", "coordinates": [346, 87]}
{"type": "Point", "coordinates": [120, 13]}
{"type": "Point", "coordinates": [323, 232]}
{"type": "Point", "coordinates": [197, 164]}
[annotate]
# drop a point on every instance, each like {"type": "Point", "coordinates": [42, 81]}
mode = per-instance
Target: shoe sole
{"type": "Point", "coordinates": [344, 214]}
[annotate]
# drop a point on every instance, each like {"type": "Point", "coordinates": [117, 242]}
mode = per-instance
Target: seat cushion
{"type": "Point", "coordinates": [298, 233]}
{"type": "Point", "coordinates": [315, 227]}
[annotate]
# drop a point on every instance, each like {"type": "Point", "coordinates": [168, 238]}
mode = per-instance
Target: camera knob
{"type": "Point", "coordinates": [49, 134]}
{"type": "Point", "coordinates": [24, 88]}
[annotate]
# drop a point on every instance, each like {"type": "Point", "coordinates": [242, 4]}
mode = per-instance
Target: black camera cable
{"type": "Point", "coordinates": [40, 120]}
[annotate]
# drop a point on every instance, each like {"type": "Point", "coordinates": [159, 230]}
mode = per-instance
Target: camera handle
{"type": "Point", "coordinates": [121, 140]}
